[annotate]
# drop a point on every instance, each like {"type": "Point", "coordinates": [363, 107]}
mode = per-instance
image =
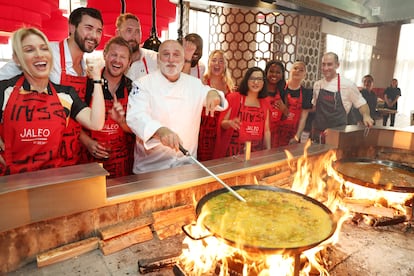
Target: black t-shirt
{"type": "Point", "coordinates": [392, 93]}
{"type": "Point", "coordinates": [307, 95]}
{"type": "Point", "coordinates": [125, 82]}
{"type": "Point", "coordinates": [371, 99]}
{"type": "Point", "coordinates": [72, 108]}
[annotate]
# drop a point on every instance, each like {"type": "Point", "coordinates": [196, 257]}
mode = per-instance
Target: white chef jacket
{"type": "Point", "coordinates": [156, 102]}
{"type": "Point", "coordinates": [139, 68]}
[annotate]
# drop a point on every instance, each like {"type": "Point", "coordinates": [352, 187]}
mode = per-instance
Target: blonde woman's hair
{"type": "Point", "coordinates": [17, 46]}
{"type": "Point", "coordinates": [226, 74]}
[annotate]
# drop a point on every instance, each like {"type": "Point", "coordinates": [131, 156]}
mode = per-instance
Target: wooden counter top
{"type": "Point", "coordinates": [35, 196]}
{"type": "Point", "coordinates": [30, 180]}
{"type": "Point", "coordinates": [142, 185]}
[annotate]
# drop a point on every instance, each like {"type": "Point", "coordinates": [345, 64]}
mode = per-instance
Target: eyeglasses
{"type": "Point", "coordinates": [256, 79]}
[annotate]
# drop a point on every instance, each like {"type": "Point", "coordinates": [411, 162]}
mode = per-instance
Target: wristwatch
{"type": "Point", "coordinates": [97, 81]}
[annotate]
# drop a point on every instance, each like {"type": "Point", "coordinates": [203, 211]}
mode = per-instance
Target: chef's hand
{"type": "Point", "coordinates": [168, 138]}
{"type": "Point", "coordinates": [213, 99]}
{"type": "Point", "coordinates": [368, 121]}
{"type": "Point", "coordinates": [2, 147]}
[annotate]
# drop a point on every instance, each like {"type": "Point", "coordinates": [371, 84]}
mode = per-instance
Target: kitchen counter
{"type": "Point", "coordinates": [142, 185]}
{"type": "Point", "coordinates": [50, 208]}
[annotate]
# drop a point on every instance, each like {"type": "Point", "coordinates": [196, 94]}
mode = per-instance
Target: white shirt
{"type": "Point", "coordinates": [199, 70]}
{"type": "Point", "coordinates": [57, 69]}
{"type": "Point", "coordinates": [10, 69]}
{"type": "Point", "coordinates": [156, 102]}
{"type": "Point", "coordinates": [350, 94]}
{"type": "Point", "coordinates": [139, 68]}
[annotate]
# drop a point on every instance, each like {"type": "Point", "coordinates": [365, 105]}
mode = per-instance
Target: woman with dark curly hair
{"type": "Point", "coordinates": [275, 75]}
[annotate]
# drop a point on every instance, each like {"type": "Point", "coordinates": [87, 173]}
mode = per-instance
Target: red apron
{"type": "Point", "coordinates": [275, 118]}
{"type": "Point", "coordinates": [71, 146]}
{"type": "Point", "coordinates": [34, 123]}
{"type": "Point", "coordinates": [289, 125]}
{"type": "Point", "coordinates": [208, 133]}
{"type": "Point", "coordinates": [251, 128]}
{"type": "Point", "coordinates": [145, 65]}
{"type": "Point", "coordinates": [117, 141]}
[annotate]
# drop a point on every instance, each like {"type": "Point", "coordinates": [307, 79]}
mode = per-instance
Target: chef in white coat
{"type": "Point", "coordinates": [163, 111]}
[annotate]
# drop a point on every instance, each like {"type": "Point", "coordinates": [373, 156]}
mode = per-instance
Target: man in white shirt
{"type": "Point", "coordinates": [333, 97]}
{"type": "Point", "coordinates": [81, 40]}
{"type": "Point", "coordinates": [164, 110]}
{"type": "Point", "coordinates": [144, 61]}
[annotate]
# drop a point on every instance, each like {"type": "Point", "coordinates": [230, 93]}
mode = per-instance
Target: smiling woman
{"type": "Point", "coordinates": [35, 111]}
{"type": "Point", "coordinates": [247, 119]}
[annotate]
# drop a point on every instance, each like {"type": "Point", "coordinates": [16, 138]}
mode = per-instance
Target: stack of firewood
{"type": "Point", "coordinates": [123, 235]}
{"type": "Point", "coordinates": [164, 224]}
{"type": "Point", "coordinates": [169, 222]}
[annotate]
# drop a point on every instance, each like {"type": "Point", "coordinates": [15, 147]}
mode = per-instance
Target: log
{"type": "Point", "coordinates": [125, 227]}
{"type": "Point", "coordinates": [123, 241]}
{"type": "Point", "coordinates": [273, 178]}
{"type": "Point", "coordinates": [371, 210]}
{"type": "Point", "coordinates": [155, 264]}
{"type": "Point", "coordinates": [67, 251]}
{"type": "Point", "coordinates": [183, 214]}
{"type": "Point", "coordinates": [170, 230]}
{"type": "Point", "coordinates": [358, 201]}
{"type": "Point", "coordinates": [389, 221]}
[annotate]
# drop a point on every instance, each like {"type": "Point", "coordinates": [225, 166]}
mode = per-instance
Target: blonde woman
{"type": "Point", "coordinates": [218, 76]}
{"type": "Point", "coordinates": [298, 100]}
{"type": "Point", "coordinates": [36, 111]}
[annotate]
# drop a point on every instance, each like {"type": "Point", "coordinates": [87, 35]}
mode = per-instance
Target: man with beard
{"type": "Point", "coordinates": [113, 145]}
{"type": "Point", "coordinates": [85, 32]}
{"type": "Point", "coordinates": [144, 61]}
{"type": "Point", "coordinates": [69, 68]}
{"type": "Point", "coordinates": [164, 110]}
{"type": "Point", "coordinates": [193, 51]}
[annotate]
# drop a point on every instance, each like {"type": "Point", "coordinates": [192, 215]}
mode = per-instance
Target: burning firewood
{"type": "Point", "coordinates": [155, 264]}
{"type": "Point", "coordinates": [372, 210]}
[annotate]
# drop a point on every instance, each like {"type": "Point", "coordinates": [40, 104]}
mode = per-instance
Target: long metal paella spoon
{"type": "Point", "coordinates": [187, 153]}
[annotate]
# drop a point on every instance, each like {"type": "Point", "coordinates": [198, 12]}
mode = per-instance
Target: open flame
{"type": "Point", "coordinates": [314, 177]}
